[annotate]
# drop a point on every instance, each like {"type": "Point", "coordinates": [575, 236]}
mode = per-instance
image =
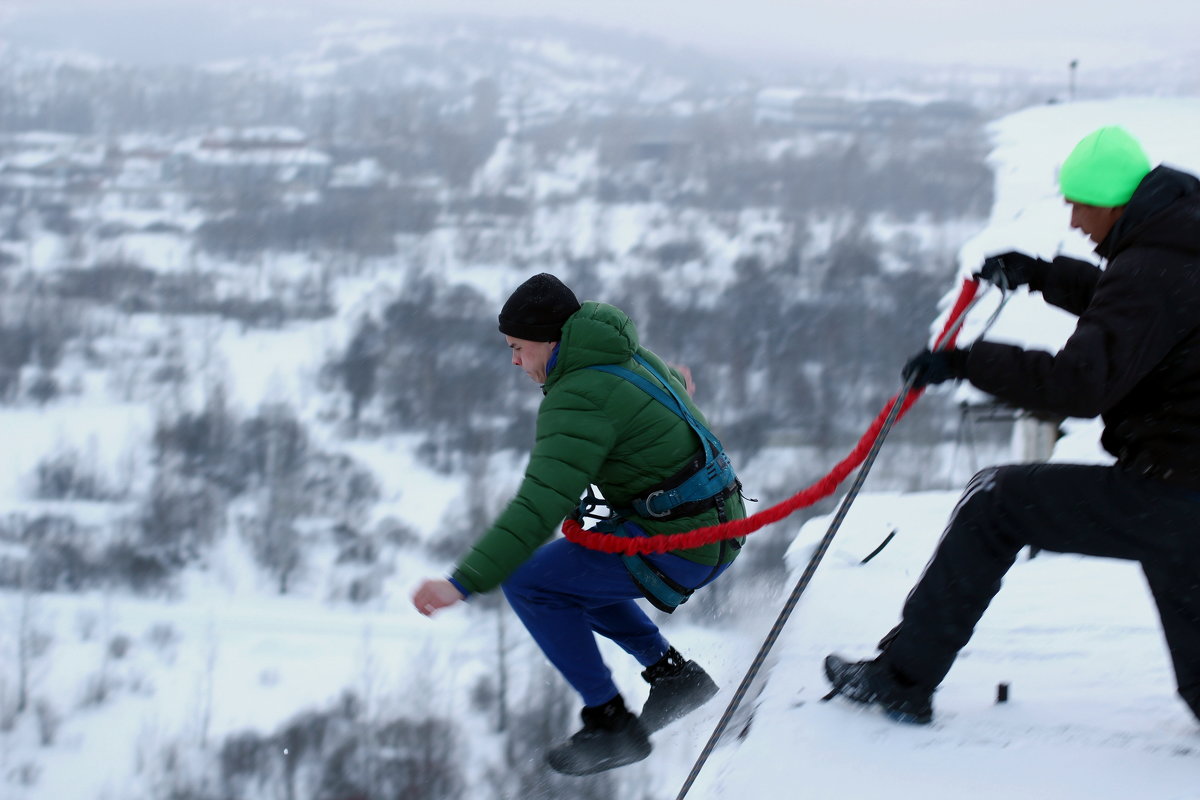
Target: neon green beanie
{"type": "Point", "coordinates": [1104, 168]}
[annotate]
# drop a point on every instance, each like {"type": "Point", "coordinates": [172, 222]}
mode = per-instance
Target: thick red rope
{"type": "Point", "coordinates": [611, 543]}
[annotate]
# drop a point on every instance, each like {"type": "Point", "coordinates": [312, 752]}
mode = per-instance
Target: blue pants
{"type": "Point", "coordinates": [565, 594]}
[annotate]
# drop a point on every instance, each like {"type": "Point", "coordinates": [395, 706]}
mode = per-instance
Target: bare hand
{"type": "Point", "coordinates": [688, 383]}
{"type": "Point", "coordinates": [433, 595]}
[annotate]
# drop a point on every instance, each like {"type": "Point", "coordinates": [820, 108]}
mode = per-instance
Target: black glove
{"type": "Point", "coordinates": [928, 368]}
{"type": "Point", "coordinates": [1012, 269]}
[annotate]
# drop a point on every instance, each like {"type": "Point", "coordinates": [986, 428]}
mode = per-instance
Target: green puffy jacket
{"type": "Point", "coordinates": [594, 427]}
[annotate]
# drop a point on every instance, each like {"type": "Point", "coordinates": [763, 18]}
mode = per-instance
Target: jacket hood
{"type": "Point", "coordinates": [1163, 212]}
{"type": "Point", "coordinates": [595, 334]}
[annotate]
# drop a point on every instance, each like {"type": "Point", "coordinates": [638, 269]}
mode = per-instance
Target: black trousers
{"type": "Point", "coordinates": [1092, 510]}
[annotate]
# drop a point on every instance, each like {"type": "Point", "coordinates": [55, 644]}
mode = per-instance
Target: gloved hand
{"type": "Point", "coordinates": [1012, 269]}
{"type": "Point", "coordinates": [928, 368]}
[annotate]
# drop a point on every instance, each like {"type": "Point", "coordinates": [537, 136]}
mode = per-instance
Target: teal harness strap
{"type": "Point", "coordinates": [654, 585]}
{"type": "Point", "coordinates": [662, 592]}
{"type": "Point", "coordinates": [715, 480]}
{"type": "Point", "coordinates": [714, 477]}
{"type": "Point", "coordinates": [671, 400]}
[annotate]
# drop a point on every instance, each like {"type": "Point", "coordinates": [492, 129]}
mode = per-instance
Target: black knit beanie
{"type": "Point", "coordinates": [538, 308]}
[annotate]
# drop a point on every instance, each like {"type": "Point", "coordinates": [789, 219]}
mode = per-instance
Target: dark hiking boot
{"type": "Point", "coordinates": [677, 687]}
{"type": "Point", "coordinates": [611, 737]}
{"type": "Point", "coordinates": [875, 684]}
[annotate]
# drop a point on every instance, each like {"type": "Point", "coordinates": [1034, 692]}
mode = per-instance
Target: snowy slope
{"type": "Point", "coordinates": [1092, 711]}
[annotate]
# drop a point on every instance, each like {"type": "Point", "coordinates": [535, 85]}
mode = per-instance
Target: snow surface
{"type": "Point", "coordinates": [1092, 711]}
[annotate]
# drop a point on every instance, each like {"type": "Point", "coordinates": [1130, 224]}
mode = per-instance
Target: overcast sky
{"type": "Point", "coordinates": [1044, 34]}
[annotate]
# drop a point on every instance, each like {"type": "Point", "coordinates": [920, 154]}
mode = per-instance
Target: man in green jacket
{"type": "Point", "coordinates": [614, 415]}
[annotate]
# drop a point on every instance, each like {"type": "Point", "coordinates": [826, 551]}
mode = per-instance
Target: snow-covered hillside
{"type": "Point", "coordinates": [209, 693]}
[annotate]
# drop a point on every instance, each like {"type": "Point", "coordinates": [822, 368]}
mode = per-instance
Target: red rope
{"type": "Point", "coordinates": [611, 543]}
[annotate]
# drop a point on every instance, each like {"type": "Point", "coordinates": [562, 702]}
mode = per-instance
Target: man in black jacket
{"type": "Point", "coordinates": [1134, 360]}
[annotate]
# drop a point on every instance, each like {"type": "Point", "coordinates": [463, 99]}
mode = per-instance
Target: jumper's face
{"type": "Point", "coordinates": [531, 357]}
{"type": "Point", "coordinates": [1094, 221]}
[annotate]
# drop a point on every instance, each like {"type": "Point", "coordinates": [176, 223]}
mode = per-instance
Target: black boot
{"type": "Point", "coordinates": [611, 737]}
{"type": "Point", "coordinates": [875, 683]}
{"type": "Point", "coordinates": [677, 687]}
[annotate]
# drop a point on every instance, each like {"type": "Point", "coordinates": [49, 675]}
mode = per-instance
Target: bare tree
{"type": "Point", "coordinates": [32, 644]}
{"type": "Point", "coordinates": [275, 538]}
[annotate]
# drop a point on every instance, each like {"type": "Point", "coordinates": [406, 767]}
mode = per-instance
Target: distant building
{"type": "Point", "coordinates": [663, 149]}
{"type": "Point", "coordinates": [798, 108]}
{"type": "Point", "coordinates": [885, 114]}
{"type": "Point", "coordinates": [138, 177]}
{"type": "Point", "coordinates": [246, 159]}
{"type": "Point", "coordinates": [946, 116]}
{"type": "Point", "coordinates": [41, 168]}
{"type": "Point", "coordinates": [362, 174]}
{"type": "Point", "coordinates": [777, 105]}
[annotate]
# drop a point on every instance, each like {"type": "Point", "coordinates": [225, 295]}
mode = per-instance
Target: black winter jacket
{"type": "Point", "coordinates": [1134, 357]}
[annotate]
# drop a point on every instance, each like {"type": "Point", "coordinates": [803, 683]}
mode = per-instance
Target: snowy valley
{"type": "Point", "coordinates": [251, 392]}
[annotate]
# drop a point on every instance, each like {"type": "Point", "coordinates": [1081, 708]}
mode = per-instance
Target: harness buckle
{"type": "Point", "coordinates": [650, 499]}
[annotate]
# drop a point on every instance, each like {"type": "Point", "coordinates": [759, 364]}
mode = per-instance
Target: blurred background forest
{"type": "Point", "coordinates": [351, 217]}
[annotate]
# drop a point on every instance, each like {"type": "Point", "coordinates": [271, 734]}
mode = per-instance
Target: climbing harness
{"type": "Point", "coordinates": [663, 592]}
{"type": "Point", "coordinates": [705, 482]}
{"type": "Point", "coordinates": [708, 481]}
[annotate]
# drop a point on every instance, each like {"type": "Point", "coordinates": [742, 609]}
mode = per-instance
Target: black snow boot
{"type": "Point", "coordinates": [876, 683]}
{"type": "Point", "coordinates": [611, 737]}
{"type": "Point", "coordinates": [677, 687]}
